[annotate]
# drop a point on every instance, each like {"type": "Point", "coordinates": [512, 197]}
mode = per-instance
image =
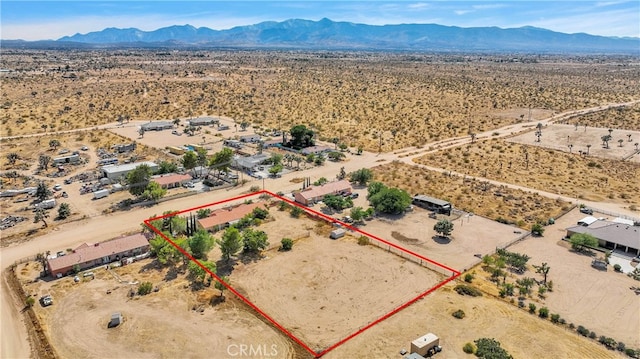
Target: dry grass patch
{"type": "Point", "coordinates": [513, 206]}
{"type": "Point", "coordinates": [624, 118]}
{"type": "Point", "coordinates": [571, 175]}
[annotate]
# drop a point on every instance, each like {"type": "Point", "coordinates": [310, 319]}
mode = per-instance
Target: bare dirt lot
{"type": "Point", "coordinates": [324, 290]}
{"type": "Point", "coordinates": [601, 301]}
{"type": "Point", "coordinates": [471, 235]}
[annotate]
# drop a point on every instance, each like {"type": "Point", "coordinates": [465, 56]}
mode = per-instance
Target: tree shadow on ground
{"type": "Point", "coordinates": [441, 239]}
{"type": "Point", "coordinates": [225, 267]}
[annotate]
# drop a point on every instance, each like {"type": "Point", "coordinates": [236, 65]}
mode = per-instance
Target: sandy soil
{"type": "Point", "coordinates": [77, 322]}
{"type": "Point", "coordinates": [330, 288]}
{"type": "Point", "coordinates": [523, 335]}
{"type": "Point", "coordinates": [471, 235]}
{"type": "Point", "coordinates": [600, 301]}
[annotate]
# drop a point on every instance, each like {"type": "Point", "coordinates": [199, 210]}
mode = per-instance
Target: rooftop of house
{"type": "Point", "coordinates": [325, 189]}
{"type": "Point", "coordinates": [170, 178]}
{"type": "Point", "coordinates": [619, 233]}
{"type": "Point", "coordinates": [89, 252]}
{"type": "Point", "coordinates": [227, 215]}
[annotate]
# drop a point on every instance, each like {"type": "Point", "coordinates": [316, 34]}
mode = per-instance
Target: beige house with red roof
{"type": "Point", "coordinates": [172, 180]}
{"type": "Point", "coordinates": [313, 194]}
{"type": "Point", "coordinates": [224, 217]}
{"type": "Point", "coordinates": [90, 255]}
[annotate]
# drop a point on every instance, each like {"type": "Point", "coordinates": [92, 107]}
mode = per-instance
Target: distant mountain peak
{"type": "Point", "coordinates": [328, 34]}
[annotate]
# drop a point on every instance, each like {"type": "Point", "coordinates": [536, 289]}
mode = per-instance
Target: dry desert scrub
{"type": "Point", "coordinates": [624, 118]}
{"type": "Point", "coordinates": [358, 97]}
{"type": "Point", "coordinates": [480, 197]}
{"type": "Point", "coordinates": [571, 175]}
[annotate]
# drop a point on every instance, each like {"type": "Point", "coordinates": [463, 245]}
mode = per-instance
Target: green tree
{"type": "Point", "coordinates": [390, 200]}
{"type": "Point", "coordinates": [358, 214]}
{"type": "Point", "coordinates": [145, 288]}
{"type": "Point", "coordinates": [337, 203]}
{"type": "Point", "coordinates": [443, 227]}
{"type": "Point", "coordinates": [361, 176]}
{"type": "Point", "coordinates": [13, 157]}
{"type": "Point", "coordinates": [581, 240]}
{"type": "Point", "coordinates": [244, 125]}
{"type": "Point", "coordinates": [189, 160]}
{"type": "Point", "coordinates": [203, 213]}
{"type": "Point", "coordinates": [138, 179]}
{"type": "Point", "coordinates": [296, 211]}
{"type": "Point", "coordinates": [64, 211]}
{"type": "Point", "coordinates": [335, 156]}
{"type": "Point", "coordinates": [167, 167]}
{"type": "Point", "coordinates": [41, 216]}
{"type": "Point", "coordinates": [260, 213]}
{"type": "Point", "coordinates": [287, 244]}
{"type": "Point", "coordinates": [43, 162]}
{"type": "Point", "coordinates": [221, 287]}
{"type": "Point", "coordinates": [42, 191]}
{"type": "Point", "coordinates": [319, 160]}
{"type": "Point", "coordinates": [275, 169]}
{"type": "Point", "coordinates": [254, 240]}
{"type": "Point", "coordinates": [537, 229]}
{"type": "Point", "coordinates": [544, 270]}
{"type": "Point", "coordinates": [54, 144]}
{"type": "Point", "coordinates": [490, 349]}
{"type": "Point", "coordinates": [605, 140]}
{"type": "Point", "coordinates": [301, 137]}
{"type": "Point", "coordinates": [230, 243]}
{"type": "Point", "coordinates": [276, 159]}
{"type": "Point", "coordinates": [197, 273]}
{"type": "Point", "coordinates": [154, 191]}
{"type": "Point", "coordinates": [320, 181]}
{"type": "Point", "coordinates": [30, 301]}
{"type": "Point", "coordinates": [221, 160]}
{"type": "Point", "coordinates": [200, 243]}
{"type": "Point", "coordinates": [374, 188]}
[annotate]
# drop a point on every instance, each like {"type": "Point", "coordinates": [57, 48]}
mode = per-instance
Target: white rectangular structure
{"type": "Point", "coordinates": [423, 344]}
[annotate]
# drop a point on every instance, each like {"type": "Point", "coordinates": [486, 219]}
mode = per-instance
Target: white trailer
{"type": "Point", "coordinates": [46, 204]}
{"type": "Point", "coordinates": [337, 233]}
{"type": "Point", "coordinates": [100, 194]}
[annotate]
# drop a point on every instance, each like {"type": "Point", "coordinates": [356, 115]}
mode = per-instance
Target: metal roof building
{"type": "Point", "coordinates": [115, 172]}
{"type": "Point", "coordinates": [612, 235]}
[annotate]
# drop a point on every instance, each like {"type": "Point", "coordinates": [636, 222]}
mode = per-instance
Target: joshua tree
{"type": "Point", "coordinates": [610, 131]}
{"type": "Point", "coordinates": [473, 137]}
{"type": "Point", "coordinates": [605, 140]}
{"type": "Point", "coordinates": [54, 144]}
{"type": "Point", "coordinates": [176, 122]}
{"type": "Point", "coordinates": [43, 161]}
{"type": "Point", "coordinates": [41, 216]}
{"type": "Point", "coordinates": [544, 270]}
{"type": "Point", "coordinates": [629, 136]}
{"type": "Point", "coordinates": [570, 147]}
{"type": "Point", "coordinates": [13, 157]}
{"type": "Point", "coordinates": [538, 135]}
{"type": "Point", "coordinates": [620, 141]}
{"type": "Point", "coordinates": [636, 144]}
{"type": "Point", "coordinates": [588, 147]}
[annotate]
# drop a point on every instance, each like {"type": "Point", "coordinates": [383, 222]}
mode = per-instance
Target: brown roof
{"type": "Point", "coordinates": [171, 179]}
{"type": "Point", "coordinates": [228, 215]}
{"type": "Point", "coordinates": [89, 252]}
{"type": "Point", "coordinates": [325, 189]}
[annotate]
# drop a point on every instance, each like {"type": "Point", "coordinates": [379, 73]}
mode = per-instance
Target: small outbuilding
{"type": "Point", "coordinates": [337, 233]}
{"type": "Point", "coordinates": [426, 345]}
{"type": "Point", "coordinates": [116, 319]}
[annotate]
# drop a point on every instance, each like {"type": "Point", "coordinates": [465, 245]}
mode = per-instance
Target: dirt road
{"type": "Point", "coordinates": [13, 334]}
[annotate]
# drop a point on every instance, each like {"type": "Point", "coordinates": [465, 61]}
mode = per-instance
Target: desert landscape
{"type": "Point", "coordinates": [462, 128]}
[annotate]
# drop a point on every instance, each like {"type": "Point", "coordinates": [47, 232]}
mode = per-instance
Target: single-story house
{"type": "Point", "coordinates": [612, 235]}
{"type": "Point", "coordinates": [316, 150]}
{"type": "Point", "coordinates": [314, 194]}
{"type": "Point", "coordinates": [203, 121]}
{"type": "Point", "coordinates": [157, 125]}
{"type": "Point", "coordinates": [272, 143]}
{"type": "Point", "coordinates": [224, 217]}
{"type": "Point", "coordinates": [74, 158]}
{"type": "Point", "coordinates": [124, 147]}
{"type": "Point", "coordinates": [171, 180]}
{"type": "Point", "coordinates": [89, 255]}
{"type": "Point", "coordinates": [250, 162]}
{"type": "Point", "coordinates": [115, 172]}
{"type": "Point", "coordinates": [250, 138]}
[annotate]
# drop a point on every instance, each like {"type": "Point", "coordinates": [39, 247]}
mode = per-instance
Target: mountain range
{"type": "Point", "coordinates": [331, 35]}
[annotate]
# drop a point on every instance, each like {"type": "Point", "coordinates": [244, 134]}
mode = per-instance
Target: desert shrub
{"type": "Point", "coordinates": [296, 212]}
{"type": "Point", "coordinates": [469, 277]}
{"type": "Point", "coordinates": [30, 301]}
{"type": "Point", "coordinates": [463, 289]}
{"type": "Point", "coordinates": [532, 308]}
{"type": "Point", "coordinates": [490, 348]}
{"type": "Point", "coordinates": [458, 314]}
{"type": "Point", "coordinates": [363, 240]}
{"type": "Point", "coordinates": [621, 347]}
{"type": "Point", "coordinates": [282, 205]}
{"type": "Point", "coordinates": [592, 335]}
{"type": "Point", "coordinates": [543, 312]}
{"type": "Point", "coordinates": [631, 353]}
{"type": "Point", "coordinates": [610, 343]}
{"type": "Point", "coordinates": [555, 318]}
{"type": "Point", "coordinates": [572, 326]}
{"type": "Point", "coordinates": [287, 244]}
{"type": "Point", "coordinates": [521, 303]}
{"type": "Point", "coordinates": [617, 267]}
{"type": "Point", "coordinates": [254, 188]}
{"type": "Point", "coordinates": [469, 348]}
{"type": "Point", "coordinates": [145, 288]}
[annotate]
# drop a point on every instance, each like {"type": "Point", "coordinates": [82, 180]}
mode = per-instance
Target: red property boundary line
{"type": "Point", "coordinates": [454, 273]}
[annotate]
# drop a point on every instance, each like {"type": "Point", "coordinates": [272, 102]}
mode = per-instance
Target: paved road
{"type": "Point", "coordinates": [13, 334]}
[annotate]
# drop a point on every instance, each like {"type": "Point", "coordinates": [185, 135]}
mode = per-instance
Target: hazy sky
{"type": "Point", "coordinates": [39, 20]}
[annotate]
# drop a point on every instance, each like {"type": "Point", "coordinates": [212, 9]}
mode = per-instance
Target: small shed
{"type": "Point", "coordinates": [587, 221]}
{"type": "Point", "coordinates": [337, 233]}
{"type": "Point", "coordinates": [424, 344]}
{"type": "Point", "coordinates": [116, 319]}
